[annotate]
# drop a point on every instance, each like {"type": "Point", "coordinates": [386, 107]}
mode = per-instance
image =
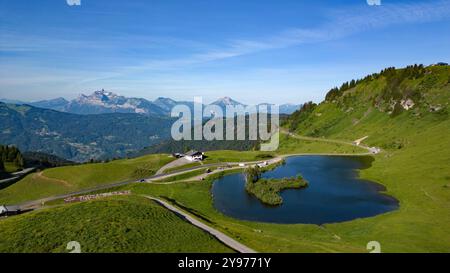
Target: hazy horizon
{"type": "Point", "coordinates": [253, 51]}
{"type": "Point", "coordinates": [149, 99]}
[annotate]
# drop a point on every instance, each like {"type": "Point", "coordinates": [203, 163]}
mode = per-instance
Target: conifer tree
{"type": "Point", "coordinates": [2, 166]}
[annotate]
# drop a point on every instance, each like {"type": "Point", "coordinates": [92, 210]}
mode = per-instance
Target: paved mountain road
{"type": "Point", "coordinates": [230, 242]}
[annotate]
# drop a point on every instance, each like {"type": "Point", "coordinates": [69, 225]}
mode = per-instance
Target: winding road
{"type": "Point", "coordinates": [16, 176]}
{"type": "Point", "coordinates": [227, 240]}
{"type": "Point", "coordinates": [36, 203]}
{"type": "Point", "coordinates": [356, 143]}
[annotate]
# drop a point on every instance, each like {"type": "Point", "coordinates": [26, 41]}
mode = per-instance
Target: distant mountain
{"type": "Point", "coordinates": [99, 102]}
{"type": "Point", "coordinates": [283, 109]}
{"type": "Point", "coordinates": [79, 137]}
{"type": "Point", "coordinates": [227, 101]}
{"type": "Point", "coordinates": [289, 108]}
{"type": "Point", "coordinates": [286, 109]}
{"type": "Point", "coordinates": [223, 103]}
{"type": "Point", "coordinates": [167, 104]}
{"type": "Point", "coordinates": [12, 101]}
{"type": "Point", "coordinates": [104, 102]}
{"type": "Point", "coordinates": [58, 104]}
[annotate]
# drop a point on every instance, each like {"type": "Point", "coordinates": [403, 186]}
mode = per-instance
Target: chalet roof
{"type": "Point", "coordinates": [193, 153]}
{"type": "Point", "coordinates": [10, 208]}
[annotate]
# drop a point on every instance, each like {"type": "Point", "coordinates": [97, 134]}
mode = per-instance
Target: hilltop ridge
{"type": "Point", "coordinates": [394, 98]}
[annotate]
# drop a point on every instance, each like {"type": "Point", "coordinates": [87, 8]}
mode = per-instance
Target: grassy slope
{"type": "Point", "coordinates": [415, 167]}
{"type": "Point", "coordinates": [417, 175]}
{"type": "Point", "coordinates": [120, 224]}
{"type": "Point", "coordinates": [233, 156]}
{"type": "Point", "coordinates": [183, 176]}
{"type": "Point", "coordinates": [182, 167]}
{"type": "Point", "coordinates": [72, 178]}
{"type": "Point", "coordinates": [289, 145]}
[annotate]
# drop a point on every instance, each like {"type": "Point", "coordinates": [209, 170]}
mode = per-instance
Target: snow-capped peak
{"type": "Point", "coordinates": [98, 97]}
{"type": "Point", "coordinates": [226, 101]}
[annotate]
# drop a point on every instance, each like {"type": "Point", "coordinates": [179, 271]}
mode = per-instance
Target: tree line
{"type": "Point", "coordinates": [10, 154]}
{"type": "Point", "coordinates": [392, 75]}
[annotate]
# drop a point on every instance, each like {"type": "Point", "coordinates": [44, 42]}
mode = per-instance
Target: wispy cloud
{"type": "Point", "coordinates": [11, 41]}
{"type": "Point", "coordinates": [341, 23]}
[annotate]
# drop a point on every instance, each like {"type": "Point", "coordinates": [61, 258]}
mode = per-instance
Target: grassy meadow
{"type": "Point", "coordinates": [119, 224]}
{"type": "Point", "coordinates": [74, 178]}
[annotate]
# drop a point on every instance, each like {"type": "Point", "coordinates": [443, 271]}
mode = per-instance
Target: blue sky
{"type": "Point", "coordinates": [253, 50]}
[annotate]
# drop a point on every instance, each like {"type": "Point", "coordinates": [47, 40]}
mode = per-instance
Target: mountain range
{"type": "Point", "coordinates": [79, 137]}
{"type": "Point", "coordinates": [104, 102]}
{"type": "Point", "coordinates": [102, 125]}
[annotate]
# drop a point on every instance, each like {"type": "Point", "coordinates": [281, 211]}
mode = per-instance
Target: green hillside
{"type": "Point", "coordinates": [120, 224]}
{"type": "Point", "coordinates": [377, 106]}
{"type": "Point", "coordinates": [68, 179]}
{"type": "Point", "coordinates": [416, 143]}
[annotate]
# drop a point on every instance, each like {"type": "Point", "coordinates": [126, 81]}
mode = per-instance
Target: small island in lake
{"type": "Point", "coordinates": [267, 190]}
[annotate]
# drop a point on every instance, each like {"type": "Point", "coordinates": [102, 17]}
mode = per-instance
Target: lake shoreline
{"type": "Point", "coordinates": [336, 193]}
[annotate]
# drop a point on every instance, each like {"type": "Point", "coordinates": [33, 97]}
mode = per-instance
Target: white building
{"type": "Point", "coordinates": [3, 210]}
{"type": "Point", "coordinates": [264, 164]}
{"type": "Point", "coordinates": [194, 156]}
